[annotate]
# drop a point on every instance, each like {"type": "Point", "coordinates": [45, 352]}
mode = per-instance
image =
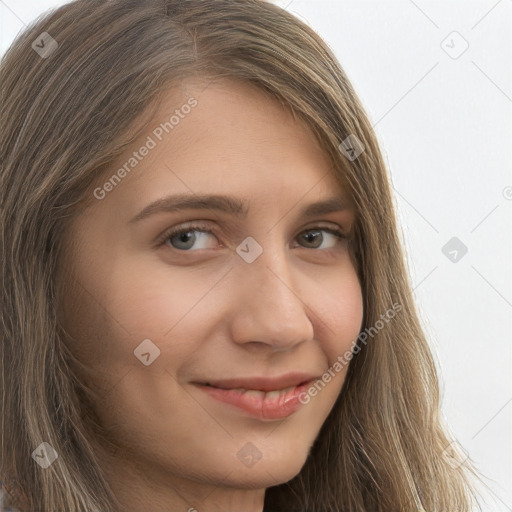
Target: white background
{"type": "Point", "coordinates": [445, 126]}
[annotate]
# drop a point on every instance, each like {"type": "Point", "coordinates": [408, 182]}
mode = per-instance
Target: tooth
{"type": "Point", "coordinates": [291, 388]}
{"type": "Point", "coordinates": [253, 392]}
{"type": "Point", "coordinates": [272, 394]}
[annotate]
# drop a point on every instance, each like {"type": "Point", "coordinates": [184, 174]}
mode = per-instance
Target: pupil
{"type": "Point", "coordinates": [183, 238]}
{"type": "Point", "coordinates": [311, 236]}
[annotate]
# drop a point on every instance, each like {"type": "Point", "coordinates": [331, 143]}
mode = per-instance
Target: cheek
{"type": "Point", "coordinates": [156, 306]}
{"type": "Point", "coordinates": [339, 315]}
{"type": "Point", "coordinates": [118, 316]}
{"type": "Point", "coordinates": [340, 308]}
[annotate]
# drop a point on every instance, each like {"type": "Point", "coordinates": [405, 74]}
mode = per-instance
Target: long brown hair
{"type": "Point", "coordinates": [66, 114]}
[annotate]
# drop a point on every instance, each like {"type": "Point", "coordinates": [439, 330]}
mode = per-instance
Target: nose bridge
{"type": "Point", "coordinates": [270, 308]}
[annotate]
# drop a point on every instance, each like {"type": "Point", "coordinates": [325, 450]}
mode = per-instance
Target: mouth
{"type": "Point", "coordinates": [262, 383]}
{"type": "Point", "coordinates": [270, 404]}
{"type": "Point", "coordinates": [271, 392]}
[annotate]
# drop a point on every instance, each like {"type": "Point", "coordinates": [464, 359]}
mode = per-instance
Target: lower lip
{"type": "Point", "coordinates": [261, 407]}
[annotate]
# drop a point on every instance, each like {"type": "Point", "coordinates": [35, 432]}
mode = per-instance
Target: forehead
{"type": "Point", "coordinates": [226, 137]}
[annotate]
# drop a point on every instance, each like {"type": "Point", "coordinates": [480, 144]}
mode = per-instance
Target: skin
{"type": "Point", "coordinates": [212, 315]}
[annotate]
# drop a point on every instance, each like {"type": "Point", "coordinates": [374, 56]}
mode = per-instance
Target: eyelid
{"type": "Point", "coordinates": [202, 226]}
{"type": "Point", "coordinates": [187, 226]}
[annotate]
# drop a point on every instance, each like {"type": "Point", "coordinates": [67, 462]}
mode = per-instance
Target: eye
{"type": "Point", "coordinates": [314, 235]}
{"type": "Point", "coordinates": [183, 239]}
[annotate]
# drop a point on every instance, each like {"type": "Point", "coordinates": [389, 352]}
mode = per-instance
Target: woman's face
{"type": "Point", "coordinates": [268, 293]}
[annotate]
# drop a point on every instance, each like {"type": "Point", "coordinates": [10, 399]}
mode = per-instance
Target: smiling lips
{"type": "Point", "coordinates": [265, 398]}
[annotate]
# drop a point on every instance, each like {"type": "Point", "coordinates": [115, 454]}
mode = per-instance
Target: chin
{"type": "Point", "coordinates": [267, 473]}
{"type": "Point", "coordinates": [261, 479]}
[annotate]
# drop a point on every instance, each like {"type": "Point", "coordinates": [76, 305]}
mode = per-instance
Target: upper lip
{"type": "Point", "coordinates": [263, 383]}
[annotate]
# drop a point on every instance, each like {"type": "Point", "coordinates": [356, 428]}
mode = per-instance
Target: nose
{"type": "Point", "coordinates": [268, 309]}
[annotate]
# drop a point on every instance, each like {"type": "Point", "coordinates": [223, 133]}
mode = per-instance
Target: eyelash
{"type": "Point", "coordinates": [201, 227]}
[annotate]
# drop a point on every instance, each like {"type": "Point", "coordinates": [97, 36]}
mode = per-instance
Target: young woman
{"type": "Point", "coordinates": [205, 302]}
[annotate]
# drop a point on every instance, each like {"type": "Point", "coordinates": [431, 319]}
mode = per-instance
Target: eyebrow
{"type": "Point", "coordinates": [230, 205]}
